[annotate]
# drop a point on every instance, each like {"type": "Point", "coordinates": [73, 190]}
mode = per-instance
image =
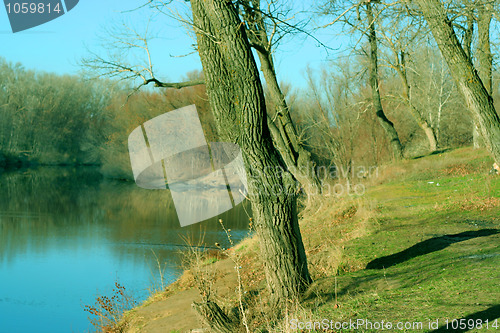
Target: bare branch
{"type": "Point", "coordinates": [119, 43]}
{"type": "Point", "coordinates": [339, 17]}
{"type": "Point", "coordinates": [175, 85]}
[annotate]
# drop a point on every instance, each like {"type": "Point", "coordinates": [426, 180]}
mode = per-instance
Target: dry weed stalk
{"type": "Point", "coordinates": [235, 258]}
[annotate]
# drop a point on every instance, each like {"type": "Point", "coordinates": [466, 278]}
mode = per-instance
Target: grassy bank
{"type": "Point", "coordinates": [421, 245]}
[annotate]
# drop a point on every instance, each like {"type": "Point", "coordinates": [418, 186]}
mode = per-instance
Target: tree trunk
{"type": "Point", "coordinates": [387, 125]}
{"type": "Point", "coordinates": [476, 96]}
{"type": "Point", "coordinates": [477, 141]}
{"type": "Point", "coordinates": [467, 46]}
{"type": "Point", "coordinates": [421, 121]}
{"type": "Point", "coordinates": [296, 157]}
{"type": "Point", "coordinates": [431, 136]}
{"type": "Point", "coordinates": [301, 166]}
{"type": "Point", "coordinates": [237, 100]}
{"type": "Point", "coordinates": [212, 315]}
{"type": "Point", "coordinates": [484, 58]}
{"type": "Point", "coordinates": [469, 32]}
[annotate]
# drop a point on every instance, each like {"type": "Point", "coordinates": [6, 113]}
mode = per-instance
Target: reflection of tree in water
{"type": "Point", "coordinates": [40, 208]}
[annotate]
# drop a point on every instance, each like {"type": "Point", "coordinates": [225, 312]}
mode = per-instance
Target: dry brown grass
{"type": "Point", "coordinates": [327, 224]}
{"type": "Point", "coordinates": [461, 169]}
{"type": "Point", "coordinates": [479, 204]}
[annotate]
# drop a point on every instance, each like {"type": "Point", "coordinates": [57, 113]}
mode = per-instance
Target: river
{"type": "Point", "coordinates": [67, 235]}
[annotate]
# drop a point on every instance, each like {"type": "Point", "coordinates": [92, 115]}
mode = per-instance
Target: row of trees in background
{"type": "Point", "coordinates": [88, 122]}
{"type": "Point", "coordinates": [65, 119]}
{"type": "Point", "coordinates": [50, 118]}
{"type": "Point", "coordinates": [56, 120]}
{"type": "Point", "coordinates": [396, 38]}
{"type": "Point", "coordinates": [338, 103]}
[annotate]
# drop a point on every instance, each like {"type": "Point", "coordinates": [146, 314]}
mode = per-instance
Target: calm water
{"type": "Point", "coordinates": [67, 235]}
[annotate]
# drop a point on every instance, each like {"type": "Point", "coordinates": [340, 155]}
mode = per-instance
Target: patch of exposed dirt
{"type": "Point", "coordinates": [172, 311]}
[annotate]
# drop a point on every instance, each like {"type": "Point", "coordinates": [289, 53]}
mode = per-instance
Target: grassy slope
{"type": "Point", "coordinates": [407, 250]}
{"type": "Point", "coordinates": [433, 250]}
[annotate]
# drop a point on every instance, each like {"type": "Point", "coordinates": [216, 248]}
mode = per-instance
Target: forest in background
{"type": "Point", "coordinates": [51, 119]}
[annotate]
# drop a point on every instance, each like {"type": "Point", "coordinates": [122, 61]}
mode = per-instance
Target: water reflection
{"type": "Point", "coordinates": [67, 234]}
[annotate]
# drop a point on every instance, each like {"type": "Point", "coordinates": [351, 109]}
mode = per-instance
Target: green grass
{"type": "Point", "coordinates": [210, 261]}
{"type": "Point", "coordinates": [434, 249]}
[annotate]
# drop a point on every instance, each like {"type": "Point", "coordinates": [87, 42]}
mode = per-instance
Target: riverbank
{"type": "Point", "coordinates": [25, 160]}
{"type": "Point", "coordinates": [16, 161]}
{"type": "Point", "coordinates": [421, 245]}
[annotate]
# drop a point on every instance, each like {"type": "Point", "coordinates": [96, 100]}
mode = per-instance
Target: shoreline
{"type": "Point", "coordinates": [345, 240]}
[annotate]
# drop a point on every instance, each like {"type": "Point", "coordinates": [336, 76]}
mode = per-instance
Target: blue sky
{"type": "Point", "coordinates": [58, 45]}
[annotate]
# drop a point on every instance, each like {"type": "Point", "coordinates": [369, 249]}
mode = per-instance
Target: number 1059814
{"type": "Point", "coordinates": [462, 324]}
{"type": "Point", "coordinates": [32, 8]}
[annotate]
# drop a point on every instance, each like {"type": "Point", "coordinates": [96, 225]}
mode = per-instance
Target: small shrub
{"type": "Point", "coordinates": [107, 311]}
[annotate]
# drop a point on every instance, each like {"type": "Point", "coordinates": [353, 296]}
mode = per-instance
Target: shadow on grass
{"type": "Point", "coordinates": [436, 152]}
{"type": "Point", "coordinates": [489, 314]}
{"type": "Point", "coordinates": [426, 247]}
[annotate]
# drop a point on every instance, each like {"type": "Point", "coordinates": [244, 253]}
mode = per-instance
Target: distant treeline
{"type": "Point", "coordinates": [66, 120]}
{"type": "Point", "coordinates": [51, 119]}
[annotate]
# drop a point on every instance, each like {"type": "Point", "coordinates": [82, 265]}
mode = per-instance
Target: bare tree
{"type": "Point", "coordinates": [465, 16]}
{"type": "Point", "coordinates": [468, 33]}
{"type": "Point", "coordinates": [400, 36]}
{"type": "Point", "coordinates": [438, 81]}
{"type": "Point", "coordinates": [484, 56]}
{"type": "Point", "coordinates": [474, 91]}
{"type": "Point", "coordinates": [436, 96]}
{"type": "Point", "coordinates": [335, 115]}
{"type": "Point", "coordinates": [388, 126]}
{"type": "Point", "coordinates": [352, 17]}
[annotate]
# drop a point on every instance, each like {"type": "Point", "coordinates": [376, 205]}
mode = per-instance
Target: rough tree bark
{"type": "Point", "coordinates": [484, 55]}
{"type": "Point", "coordinates": [215, 317]}
{"type": "Point", "coordinates": [237, 100]}
{"type": "Point", "coordinates": [467, 46]}
{"type": "Point", "coordinates": [387, 125]}
{"type": "Point", "coordinates": [285, 137]}
{"type": "Point", "coordinates": [484, 58]}
{"type": "Point", "coordinates": [468, 34]}
{"type": "Point", "coordinates": [476, 96]}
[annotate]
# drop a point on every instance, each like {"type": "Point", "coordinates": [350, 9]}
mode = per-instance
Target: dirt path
{"type": "Point", "coordinates": [174, 313]}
